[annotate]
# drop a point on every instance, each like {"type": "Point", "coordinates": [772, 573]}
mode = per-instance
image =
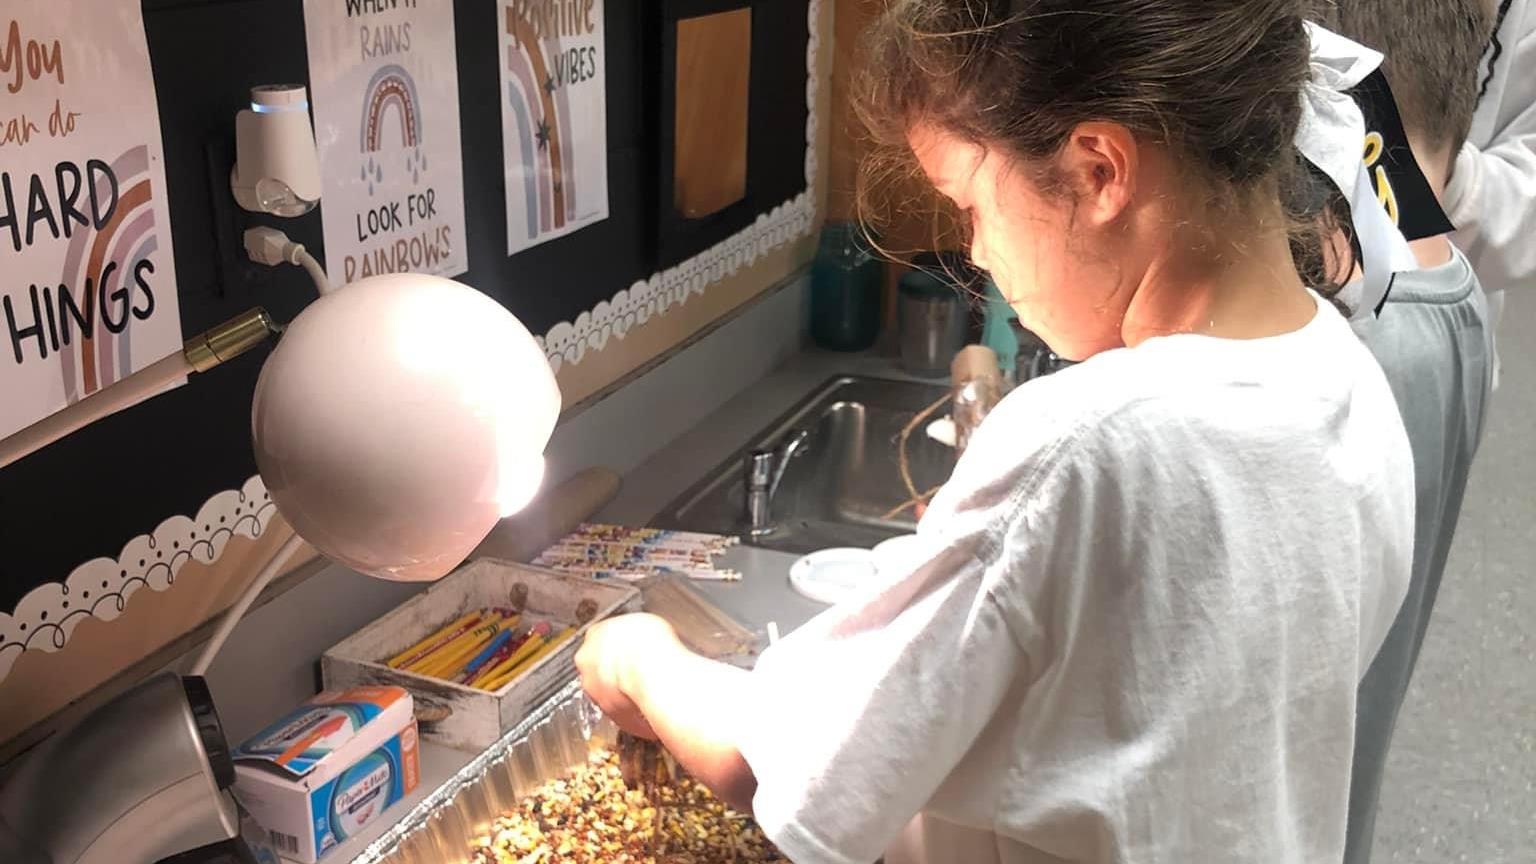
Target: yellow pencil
{"type": "Point", "coordinates": [530, 645]}
{"type": "Point", "coordinates": [526, 663]}
{"type": "Point", "coordinates": [506, 677]}
{"type": "Point", "coordinates": [431, 643]}
{"type": "Point", "coordinates": [448, 663]}
{"type": "Point", "coordinates": [458, 648]}
{"type": "Point", "coordinates": [548, 647]}
{"type": "Point", "coordinates": [440, 666]}
{"type": "Point", "coordinates": [505, 667]}
{"type": "Point", "coordinates": [485, 622]}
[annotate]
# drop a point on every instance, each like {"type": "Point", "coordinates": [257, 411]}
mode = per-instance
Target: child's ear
{"type": "Point", "coordinates": [1102, 161]}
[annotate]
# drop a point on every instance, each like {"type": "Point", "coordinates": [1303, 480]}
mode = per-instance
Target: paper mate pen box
{"type": "Point", "coordinates": [329, 768]}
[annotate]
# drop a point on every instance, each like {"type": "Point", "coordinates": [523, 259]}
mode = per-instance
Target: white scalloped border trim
{"type": "Point", "coordinates": [47, 616]}
{"type": "Point", "coordinates": [570, 342]}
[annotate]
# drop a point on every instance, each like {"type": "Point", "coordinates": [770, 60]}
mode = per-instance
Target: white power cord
{"type": "Point", "coordinates": [236, 612]}
{"type": "Point", "coordinates": [272, 247]}
{"type": "Point", "coordinates": [315, 271]}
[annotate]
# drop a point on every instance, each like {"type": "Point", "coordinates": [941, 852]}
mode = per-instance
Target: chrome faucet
{"type": "Point", "coordinates": [764, 470]}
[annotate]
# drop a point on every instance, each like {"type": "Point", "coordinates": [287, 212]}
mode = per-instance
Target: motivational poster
{"type": "Point", "coordinates": [554, 117]}
{"type": "Point", "coordinates": [87, 278]}
{"type": "Point", "coordinates": [385, 91]}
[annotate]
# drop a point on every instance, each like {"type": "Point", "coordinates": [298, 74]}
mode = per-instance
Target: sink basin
{"type": "Point", "coordinates": [841, 483]}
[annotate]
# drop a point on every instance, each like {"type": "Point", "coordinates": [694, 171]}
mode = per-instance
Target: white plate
{"type": "Point", "coordinates": [834, 575]}
{"type": "Point", "coordinates": [896, 556]}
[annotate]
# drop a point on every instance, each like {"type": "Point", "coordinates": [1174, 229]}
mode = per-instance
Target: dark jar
{"type": "Point", "coordinates": [846, 283]}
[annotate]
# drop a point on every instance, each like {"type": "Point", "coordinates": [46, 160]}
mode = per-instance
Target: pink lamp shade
{"type": "Point", "coordinates": [398, 419]}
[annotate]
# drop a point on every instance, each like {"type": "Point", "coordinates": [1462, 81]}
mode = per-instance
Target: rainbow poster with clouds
{"type": "Point", "coordinates": [87, 275]}
{"type": "Point", "coordinates": [384, 86]}
{"type": "Point", "coordinates": [554, 117]}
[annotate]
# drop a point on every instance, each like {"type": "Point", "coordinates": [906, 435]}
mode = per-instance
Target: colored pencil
{"type": "Point", "coordinates": [464, 675]}
{"type": "Point", "coordinates": [536, 638]}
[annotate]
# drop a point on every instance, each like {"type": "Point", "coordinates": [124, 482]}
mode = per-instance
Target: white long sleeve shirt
{"type": "Point", "coordinates": [1491, 196]}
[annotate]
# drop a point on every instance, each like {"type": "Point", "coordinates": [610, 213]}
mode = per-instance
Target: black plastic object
{"type": "Point", "coordinates": [233, 851]}
{"type": "Point", "coordinates": [926, 285]}
{"type": "Point", "coordinates": [952, 268]}
{"type": "Point", "coordinates": [17, 849]}
{"type": "Point", "coordinates": [210, 730]}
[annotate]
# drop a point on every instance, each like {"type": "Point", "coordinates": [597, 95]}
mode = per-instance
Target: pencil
{"type": "Point", "coordinates": [472, 668]}
{"type": "Point", "coordinates": [597, 570]}
{"type": "Point", "coordinates": [593, 529]}
{"type": "Point", "coordinates": [545, 650]}
{"type": "Point", "coordinates": [442, 660]}
{"type": "Point", "coordinates": [505, 667]}
{"type": "Point", "coordinates": [507, 650]}
{"type": "Point", "coordinates": [439, 664]}
{"type": "Point", "coordinates": [496, 682]}
{"type": "Point", "coordinates": [457, 628]}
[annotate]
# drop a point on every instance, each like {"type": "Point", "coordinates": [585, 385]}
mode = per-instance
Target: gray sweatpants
{"type": "Point", "coordinates": [1434, 341]}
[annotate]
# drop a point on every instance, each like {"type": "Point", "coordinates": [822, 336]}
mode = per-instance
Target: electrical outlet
{"type": "Point", "coordinates": [237, 274]}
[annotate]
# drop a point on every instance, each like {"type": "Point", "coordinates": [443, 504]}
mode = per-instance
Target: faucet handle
{"type": "Point", "coordinates": [760, 469]}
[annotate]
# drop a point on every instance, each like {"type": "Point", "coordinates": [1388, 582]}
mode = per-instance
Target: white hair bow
{"type": "Point", "coordinates": [1332, 137]}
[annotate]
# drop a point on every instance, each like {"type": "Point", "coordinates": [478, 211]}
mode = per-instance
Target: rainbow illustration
{"type": "Point", "coordinates": [391, 88]}
{"type": "Point", "coordinates": [542, 114]}
{"type": "Point", "coordinates": [100, 357]}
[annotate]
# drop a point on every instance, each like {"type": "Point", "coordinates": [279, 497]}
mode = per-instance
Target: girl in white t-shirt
{"type": "Point", "coordinates": [1135, 626]}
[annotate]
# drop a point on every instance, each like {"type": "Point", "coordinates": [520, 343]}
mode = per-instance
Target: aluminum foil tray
{"type": "Point", "coordinates": [555, 738]}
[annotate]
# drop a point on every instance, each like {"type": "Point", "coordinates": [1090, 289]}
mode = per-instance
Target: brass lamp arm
{"type": "Point", "coordinates": [200, 353]}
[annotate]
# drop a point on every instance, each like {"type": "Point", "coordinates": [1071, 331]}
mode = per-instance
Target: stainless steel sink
{"type": "Point", "coordinates": [841, 481]}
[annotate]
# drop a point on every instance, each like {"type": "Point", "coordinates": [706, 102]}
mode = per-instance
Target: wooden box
{"type": "Point", "coordinates": [455, 714]}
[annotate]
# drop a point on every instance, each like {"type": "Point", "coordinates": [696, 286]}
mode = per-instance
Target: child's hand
{"type": "Point", "coordinates": [613, 655]}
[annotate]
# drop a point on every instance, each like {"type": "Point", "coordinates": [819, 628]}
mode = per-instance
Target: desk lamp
{"type": "Point", "coordinates": [397, 420]}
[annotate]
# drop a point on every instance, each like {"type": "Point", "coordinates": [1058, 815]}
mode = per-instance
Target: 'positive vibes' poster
{"type": "Point", "coordinates": [554, 121]}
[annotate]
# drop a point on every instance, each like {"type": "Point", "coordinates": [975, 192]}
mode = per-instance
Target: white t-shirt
{"type": "Point", "coordinates": [1135, 632]}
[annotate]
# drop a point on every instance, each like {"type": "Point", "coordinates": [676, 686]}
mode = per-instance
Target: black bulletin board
{"type": "Point", "coordinates": [86, 496]}
{"type": "Point", "coordinates": [777, 104]}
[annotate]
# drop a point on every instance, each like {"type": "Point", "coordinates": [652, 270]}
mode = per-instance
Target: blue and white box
{"type": "Point", "coordinates": [329, 768]}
